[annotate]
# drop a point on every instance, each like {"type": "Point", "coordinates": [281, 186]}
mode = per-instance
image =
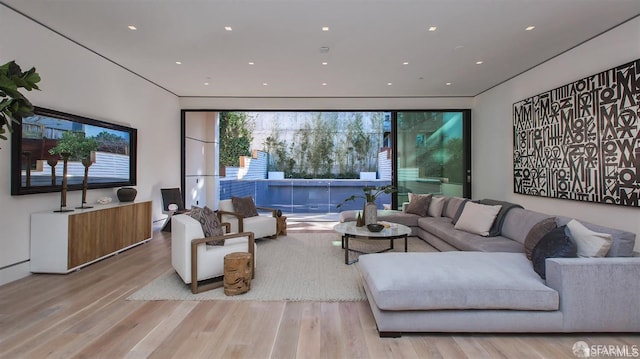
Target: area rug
{"type": "Point", "coordinates": [296, 267]}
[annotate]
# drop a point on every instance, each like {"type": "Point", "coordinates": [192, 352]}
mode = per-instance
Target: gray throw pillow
{"type": "Point", "coordinates": [419, 204]}
{"type": "Point", "coordinates": [536, 233]}
{"type": "Point", "coordinates": [455, 218]}
{"type": "Point", "coordinates": [245, 206]}
{"type": "Point", "coordinates": [555, 244]}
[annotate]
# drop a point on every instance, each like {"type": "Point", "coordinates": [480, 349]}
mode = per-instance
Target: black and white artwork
{"type": "Point", "coordinates": [581, 141]}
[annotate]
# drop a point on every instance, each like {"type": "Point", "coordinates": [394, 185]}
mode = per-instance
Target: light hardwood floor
{"type": "Point", "coordinates": [85, 314]}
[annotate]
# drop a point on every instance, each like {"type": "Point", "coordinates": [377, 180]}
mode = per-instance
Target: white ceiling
{"type": "Point", "coordinates": [368, 42]}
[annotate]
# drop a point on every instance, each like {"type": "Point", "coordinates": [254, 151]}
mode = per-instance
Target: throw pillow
{"type": "Point", "coordinates": [418, 204]}
{"type": "Point", "coordinates": [477, 218]}
{"type": "Point", "coordinates": [211, 226]}
{"type": "Point", "coordinates": [536, 233]}
{"type": "Point", "coordinates": [459, 211]}
{"type": "Point", "coordinates": [195, 213]}
{"type": "Point", "coordinates": [435, 207]}
{"type": "Point", "coordinates": [590, 243]}
{"type": "Point", "coordinates": [244, 206]}
{"type": "Point", "coordinates": [555, 244]}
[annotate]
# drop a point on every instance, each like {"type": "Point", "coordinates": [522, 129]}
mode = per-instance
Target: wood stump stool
{"type": "Point", "coordinates": [281, 226]}
{"type": "Point", "coordinates": [237, 273]}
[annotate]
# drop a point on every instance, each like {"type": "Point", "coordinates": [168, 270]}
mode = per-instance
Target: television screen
{"type": "Point", "coordinates": [41, 142]}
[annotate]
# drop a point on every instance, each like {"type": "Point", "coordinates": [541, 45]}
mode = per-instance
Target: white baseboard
{"type": "Point", "coordinates": [14, 272]}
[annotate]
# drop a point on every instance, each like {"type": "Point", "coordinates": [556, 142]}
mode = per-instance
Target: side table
{"type": "Point", "coordinates": [281, 226]}
{"type": "Point", "coordinates": [237, 273]}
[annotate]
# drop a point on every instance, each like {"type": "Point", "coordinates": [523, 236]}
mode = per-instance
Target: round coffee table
{"type": "Point", "coordinates": [349, 230]}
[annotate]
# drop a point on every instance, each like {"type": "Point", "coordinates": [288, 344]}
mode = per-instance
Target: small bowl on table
{"type": "Point", "coordinates": [374, 227]}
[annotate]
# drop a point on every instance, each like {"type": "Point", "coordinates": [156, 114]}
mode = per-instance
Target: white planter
{"type": "Point", "coordinates": [368, 176]}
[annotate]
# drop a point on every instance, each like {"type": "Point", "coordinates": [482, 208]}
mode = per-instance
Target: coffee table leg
{"type": "Point", "coordinates": [345, 242]}
{"type": "Point", "coordinates": [405, 243]}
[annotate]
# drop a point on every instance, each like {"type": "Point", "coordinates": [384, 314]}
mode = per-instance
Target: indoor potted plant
{"type": "Point", "coordinates": [13, 105]}
{"type": "Point", "coordinates": [370, 209]}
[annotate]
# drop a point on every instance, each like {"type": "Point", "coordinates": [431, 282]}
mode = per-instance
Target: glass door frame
{"type": "Point", "coordinates": [466, 155]}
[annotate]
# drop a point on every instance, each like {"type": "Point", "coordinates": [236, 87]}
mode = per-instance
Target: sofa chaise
{"type": "Point", "coordinates": [487, 284]}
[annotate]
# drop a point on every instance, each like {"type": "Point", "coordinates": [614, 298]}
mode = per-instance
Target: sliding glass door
{"type": "Point", "coordinates": [432, 153]}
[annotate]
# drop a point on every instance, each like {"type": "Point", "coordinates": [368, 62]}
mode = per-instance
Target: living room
{"type": "Point", "coordinates": [80, 81]}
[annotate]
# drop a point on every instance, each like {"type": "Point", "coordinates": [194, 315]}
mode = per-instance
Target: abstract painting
{"type": "Point", "coordinates": [581, 141]}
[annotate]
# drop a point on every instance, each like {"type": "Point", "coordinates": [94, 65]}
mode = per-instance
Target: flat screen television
{"type": "Point", "coordinates": [35, 168]}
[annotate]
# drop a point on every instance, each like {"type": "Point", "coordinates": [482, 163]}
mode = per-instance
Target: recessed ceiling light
{"type": "Point", "coordinates": [479, 62]}
{"type": "Point", "coordinates": [325, 28]}
{"type": "Point", "coordinates": [389, 83]}
{"type": "Point", "coordinates": [131, 27]}
{"type": "Point", "coordinates": [529, 28]}
{"type": "Point", "coordinates": [406, 63]}
{"type": "Point", "coordinates": [324, 84]}
{"type": "Point", "coordinates": [448, 84]}
{"type": "Point", "coordinates": [324, 62]}
{"type": "Point", "coordinates": [178, 63]}
{"type": "Point", "coordinates": [206, 84]}
{"type": "Point", "coordinates": [458, 47]}
{"type": "Point", "coordinates": [265, 84]}
{"type": "Point", "coordinates": [433, 28]}
{"type": "Point", "coordinates": [228, 28]}
{"type": "Point", "coordinates": [251, 63]}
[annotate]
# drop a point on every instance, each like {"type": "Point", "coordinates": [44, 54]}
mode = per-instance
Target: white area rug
{"type": "Point", "coordinates": [297, 267]}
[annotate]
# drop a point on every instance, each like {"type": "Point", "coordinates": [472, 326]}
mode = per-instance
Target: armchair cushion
{"type": "Point", "coordinates": [244, 206]}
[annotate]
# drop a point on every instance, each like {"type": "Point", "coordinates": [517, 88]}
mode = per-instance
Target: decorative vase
{"type": "Point", "coordinates": [359, 222]}
{"type": "Point", "coordinates": [370, 213]}
{"type": "Point", "coordinates": [127, 194]}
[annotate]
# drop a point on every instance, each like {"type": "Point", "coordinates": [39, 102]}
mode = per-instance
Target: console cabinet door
{"type": "Point", "coordinates": [96, 234]}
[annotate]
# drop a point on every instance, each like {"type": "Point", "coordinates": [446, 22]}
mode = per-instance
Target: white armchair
{"type": "Point", "coordinates": [263, 225]}
{"type": "Point", "coordinates": [192, 258]}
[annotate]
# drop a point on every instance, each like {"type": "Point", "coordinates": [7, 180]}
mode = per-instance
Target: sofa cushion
{"type": "Point", "coordinates": [589, 243]}
{"type": "Point", "coordinates": [622, 241]}
{"type": "Point", "coordinates": [555, 244]}
{"type": "Point", "coordinates": [496, 228]}
{"type": "Point", "coordinates": [477, 218]}
{"type": "Point", "coordinates": [536, 233]}
{"type": "Point", "coordinates": [442, 228]}
{"type": "Point", "coordinates": [455, 280]}
{"type": "Point", "coordinates": [435, 206]}
{"type": "Point", "coordinates": [452, 205]}
{"type": "Point", "coordinates": [418, 204]}
{"type": "Point", "coordinates": [518, 222]}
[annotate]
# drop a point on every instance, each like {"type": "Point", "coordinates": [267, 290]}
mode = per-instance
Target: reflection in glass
{"type": "Point", "coordinates": [430, 153]}
{"type": "Point", "coordinates": [48, 133]}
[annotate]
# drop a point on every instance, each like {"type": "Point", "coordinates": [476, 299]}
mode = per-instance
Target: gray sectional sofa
{"type": "Point", "coordinates": [487, 284]}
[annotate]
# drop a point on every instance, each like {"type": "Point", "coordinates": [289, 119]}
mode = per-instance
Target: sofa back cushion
{"type": "Point", "coordinates": [622, 242]}
{"type": "Point", "coordinates": [518, 223]}
{"type": "Point", "coordinates": [452, 205]}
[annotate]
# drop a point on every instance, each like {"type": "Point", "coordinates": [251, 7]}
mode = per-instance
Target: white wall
{"type": "Point", "coordinates": [492, 128]}
{"type": "Point", "coordinates": [76, 81]}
